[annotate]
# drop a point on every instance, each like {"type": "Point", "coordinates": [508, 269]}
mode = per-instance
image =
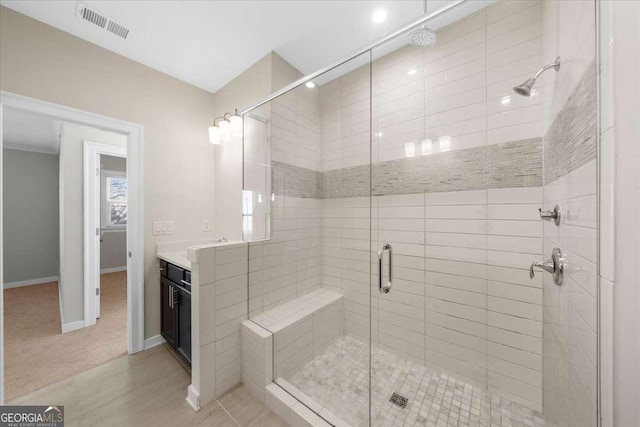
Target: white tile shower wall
{"type": "Point", "coordinates": [295, 125]}
{"type": "Point", "coordinates": [462, 299]}
{"type": "Point", "coordinates": [219, 302]}
{"type": "Point", "coordinates": [289, 264]}
{"type": "Point", "coordinates": [569, 32]}
{"type": "Point", "coordinates": [256, 358]}
{"type": "Point", "coordinates": [461, 87]}
{"type": "Point", "coordinates": [301, 341]}
{"type": "Point", "coordinates": [570, 311]}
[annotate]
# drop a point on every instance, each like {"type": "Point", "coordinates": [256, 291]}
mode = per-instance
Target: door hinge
{"type": "Point", "coordinates": [97, 171]}
{"type": "Point", "coordinates": [129, 254]}
{"type": "Point", "coordinates": [97, 291]}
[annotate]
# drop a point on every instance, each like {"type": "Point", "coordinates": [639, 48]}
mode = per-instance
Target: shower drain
{"type": "Point", "coordinates": [399, 400]}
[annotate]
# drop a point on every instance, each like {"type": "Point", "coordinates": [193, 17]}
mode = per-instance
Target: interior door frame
{"type": "Point", "coordinates": [135, 236]}
{"type": "Point", "coordinates": [92, 189]}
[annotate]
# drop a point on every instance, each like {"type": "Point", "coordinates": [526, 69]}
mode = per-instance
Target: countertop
{"type": "Point", "coordinates": [176, 258]}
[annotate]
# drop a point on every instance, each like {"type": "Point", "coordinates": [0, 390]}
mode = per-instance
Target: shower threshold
{"type": "Point", "coordinates": [338, 380]}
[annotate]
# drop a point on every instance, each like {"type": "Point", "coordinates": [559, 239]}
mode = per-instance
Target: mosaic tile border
{"type": "Point", "coordinates": [571, 141]}
{"type": "Point", "coordinates": [294, 181]}
{"type": "Point", "coordinates": [513, 164]}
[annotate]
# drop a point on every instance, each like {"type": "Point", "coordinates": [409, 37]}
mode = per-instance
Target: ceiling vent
{"type": "Point", "coordinates": [91, 15]}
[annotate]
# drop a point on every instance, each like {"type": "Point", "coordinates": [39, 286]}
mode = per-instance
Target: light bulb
{"type": "Point", "coordinates": [214, 135]}
{"type": "Point", "coordinates": [427, 147]}
{"type": "Point", "coordinates": [410, 149]}
{"type": "Point", "coordinates": [236, 126]}
{"type": "Point", "coordinates": [445, 143]}
{"type": "Point", "coordinates": [225, 130]}
{"type": "Point", "coordinates": [379, 16]}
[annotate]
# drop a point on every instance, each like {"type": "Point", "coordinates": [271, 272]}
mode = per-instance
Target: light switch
{"type": "Point", "coordinates": [162, 227]}
{"type": "Point", "coordinates": [206, 225]}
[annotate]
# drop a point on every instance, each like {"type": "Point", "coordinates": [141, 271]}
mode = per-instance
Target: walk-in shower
{"type": "Point", "coordinates": [418, 164]}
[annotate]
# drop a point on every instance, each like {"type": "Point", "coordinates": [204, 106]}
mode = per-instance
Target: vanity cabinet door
{"type": "Point", "coordinates": [168, 313]}
{"type": "Point", "coordinates": [184, 324]}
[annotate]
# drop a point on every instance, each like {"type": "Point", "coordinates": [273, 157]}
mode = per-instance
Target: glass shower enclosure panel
{"type": "Point", "coordinates": [306, 213]}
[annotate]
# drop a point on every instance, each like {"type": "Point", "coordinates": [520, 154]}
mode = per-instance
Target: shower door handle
{"type": "Point", "coordinates": [386, 288]}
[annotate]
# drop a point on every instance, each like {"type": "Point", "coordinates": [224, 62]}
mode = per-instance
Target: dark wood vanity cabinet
{"type": "Point", "coordinates": [175, 291]}
{"type": "Point", "coordinates": [169, 321]}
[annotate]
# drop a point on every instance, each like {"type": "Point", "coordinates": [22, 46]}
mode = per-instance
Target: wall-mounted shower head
{"type": "Point", "coordinates": [525, 88]}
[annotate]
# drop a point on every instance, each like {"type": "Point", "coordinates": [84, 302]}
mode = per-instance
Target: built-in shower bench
{"type": "Point", "coordinates": [278, 341]}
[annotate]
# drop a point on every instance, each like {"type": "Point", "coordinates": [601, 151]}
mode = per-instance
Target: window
{"type": "Point", "coordinates": [114, 194]}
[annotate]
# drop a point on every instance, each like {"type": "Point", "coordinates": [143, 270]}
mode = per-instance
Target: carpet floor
{"type": "Point", "coordinates": [38, 354]}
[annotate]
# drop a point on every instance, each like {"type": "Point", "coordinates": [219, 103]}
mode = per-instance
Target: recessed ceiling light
{"type": "Point", "coordinates": [310, 85]}
{"type": "Point", "coordinates": [379, 16]}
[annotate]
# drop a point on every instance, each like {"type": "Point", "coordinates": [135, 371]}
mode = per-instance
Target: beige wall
{"type": "Point", "coordinates": [42, 62]}
{"type": "Point", "coordinates": [246, 89]}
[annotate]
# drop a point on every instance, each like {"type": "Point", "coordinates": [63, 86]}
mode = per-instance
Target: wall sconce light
{"type": "Point", "coordinates": [230, 125]}
{"type": "Point", "coordinates": [427, 147]}
{"type": "Point", "coordinates": [445, 143]}
{"type": "Point", "coordinates": [410, 149]}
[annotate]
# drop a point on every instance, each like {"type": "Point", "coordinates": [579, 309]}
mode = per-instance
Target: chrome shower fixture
{"type": "Point", "coordinates": [525, 88]}
{"type": "Point", "coordinates": [423, 36]}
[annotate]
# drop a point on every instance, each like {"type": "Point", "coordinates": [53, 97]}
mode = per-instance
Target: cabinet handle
{"type": "Point", "coordinates": [171, 296]}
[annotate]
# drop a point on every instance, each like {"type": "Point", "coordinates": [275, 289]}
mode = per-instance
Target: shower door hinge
{"type": "Point", "coordinates": [97, 291]}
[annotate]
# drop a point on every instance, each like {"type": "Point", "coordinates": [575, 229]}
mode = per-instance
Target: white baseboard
{"type": "Point", "coordinates": [193, 397]}
{"type": "Point", "coordinates": [39, 281]}
{"type": "Point", "coordinates": [113, 270]}
{"type": "Point", "coordinates": [153, 341]}
{"type": "Point", "coordinates": [72, 326]}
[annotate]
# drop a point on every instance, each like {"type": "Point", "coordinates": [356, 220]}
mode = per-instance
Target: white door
{"type": "Point", "coordinates": [94, 190]}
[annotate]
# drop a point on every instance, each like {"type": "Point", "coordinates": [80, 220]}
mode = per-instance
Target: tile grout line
{"type": "Point", "coordinates": [227, 412]}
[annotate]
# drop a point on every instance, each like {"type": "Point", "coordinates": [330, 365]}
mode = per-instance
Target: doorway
{"type": "Point", "coordinates": [131, 281]}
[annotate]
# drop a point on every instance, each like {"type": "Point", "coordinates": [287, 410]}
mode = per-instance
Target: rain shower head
{"type": "Point", "coordinates": [525, 88]}
{"type": "Point", "coordinates": [423, 37]}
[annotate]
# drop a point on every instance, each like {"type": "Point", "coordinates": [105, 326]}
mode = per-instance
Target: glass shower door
{"type": "Point", "coordinates": [306, 212]}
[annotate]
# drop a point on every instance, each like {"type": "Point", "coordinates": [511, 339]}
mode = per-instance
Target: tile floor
{"type": "Point", "coordinates": [146, 389]}
{"type": "Point", "coordinates": [338, 380]}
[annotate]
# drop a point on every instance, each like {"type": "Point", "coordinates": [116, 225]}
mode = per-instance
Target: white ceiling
{"type": "Point", "coordinates": [208, 43]}
{"type": "Point", "coordinates": [30, 132]}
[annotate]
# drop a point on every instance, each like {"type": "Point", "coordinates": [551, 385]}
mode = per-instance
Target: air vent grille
{"type": "Point", "coordinates": [102, 21]}
{"type": "Point", "coordinates": [93, 17]}
{"type": "Point", "coordinates": [118, 29]}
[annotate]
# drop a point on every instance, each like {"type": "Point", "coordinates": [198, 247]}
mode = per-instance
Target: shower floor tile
{"type": "Point", "coordinates": [338, 380]}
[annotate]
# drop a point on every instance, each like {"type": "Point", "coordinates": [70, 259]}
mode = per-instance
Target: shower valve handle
{"type": "Point", "coordinates": [555, 266]}
{"type": "Point", "coordinates": [554, 215]}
